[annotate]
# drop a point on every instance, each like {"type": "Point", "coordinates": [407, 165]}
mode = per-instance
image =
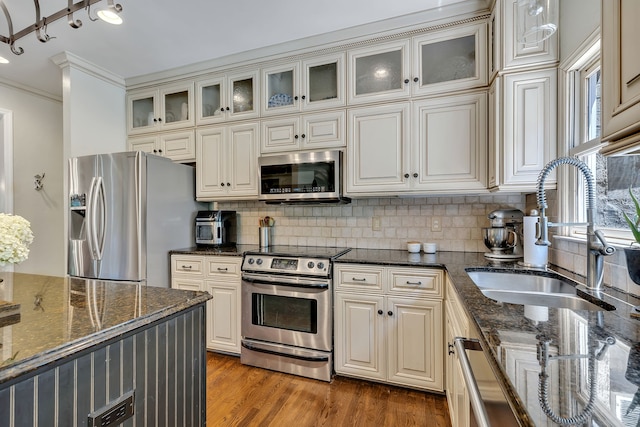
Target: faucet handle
{"type": "Point", "coordinates": [606, 249]}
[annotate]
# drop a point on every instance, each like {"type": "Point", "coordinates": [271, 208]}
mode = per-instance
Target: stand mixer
{"type": "Point", "coordinates": [504, 236]}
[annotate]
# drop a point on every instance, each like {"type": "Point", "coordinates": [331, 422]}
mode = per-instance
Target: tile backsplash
{"type": "Point", "coordinates": [401, 219]}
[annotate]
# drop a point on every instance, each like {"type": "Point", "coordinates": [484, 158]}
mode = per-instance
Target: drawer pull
{"type": "Point", "coordinates": [358, 280]}
{"type": "Point", "coordinates": [633, 80]}
{"type": "Point", "coordinates": [223, 269]}
{"type": "Point", "coordinates": [186, 267]}
{"type": "Point", "coordinates": [414, 283]}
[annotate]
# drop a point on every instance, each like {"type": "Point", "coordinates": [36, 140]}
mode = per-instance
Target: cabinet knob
{"type": "Point", "coordinates": [295, 137]}
{"type": "Point", "coordinates": [380, 312]}
{"type": "Point", "coordinates": [406, 81]}
{"type": "Point", "coordinates": [406, 175]}
{"type": "Point", "coordinates": [228, 108]}
{"type": "Point", "coordinates": [222, 110]}
{"type": "Point", "coordinates": [160, 151]}
{"type": "Point", "coordinates": [415, 79]}
{"type": "Point", "coordinates": [390, 313]}
{"type": "Point", "coordinates": [159, 119]}
{"type": "Point", "coordinates": [295, 98]}
{"type": "Point", "coordinates": [228, 185]}
{"type": "Point", "coordinates": [222, 184]}
{"type": "Point", "coordinates": [303, 135]}
{"type": "Point", "coordinates": [415, 174]}
{"type": "Point", "coordinates": [304, 97]}
{"type": "Point", "coordinates": [155, 151]}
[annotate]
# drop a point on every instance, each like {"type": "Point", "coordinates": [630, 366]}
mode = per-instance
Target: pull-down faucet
{"type": "Point", "coordinates": [597, 246]}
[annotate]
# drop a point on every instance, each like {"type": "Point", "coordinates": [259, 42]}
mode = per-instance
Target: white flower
{"type": "Point", "coordinates": [15, 238]}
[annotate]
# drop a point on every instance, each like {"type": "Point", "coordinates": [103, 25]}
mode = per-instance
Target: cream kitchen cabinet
{"type": "Point", "coordinates": [220, 276]}
{"type": "Point", "coordinates": [227, 97]}
{"type": "Point", "coordinates": [407, 147]}
{"type": "Point", "coordinates": [178, 146]}
{"type": "Point", "coordinates": [161, 108]}
{"type": "Point", "coordinates": [507, 53]}
{"type": "Point", "coordinates": [620, 77]}
{"type": "Point", "coordinates": [226, 162]}
{"type": "Point", "coordinates": [450, 60]}
{"type": "Point", "coordinates": [315, 83]}
{"type": "Point", "coordinates": [522, 129]}
{"type": "Point", "coordinates": [456, 389]}
{"type": "Point", "coordinates": [440, 61]}
{"type": "Point", "coordinates": [388, 324]}
{"type": "Point", "coordinates": [306, 132]}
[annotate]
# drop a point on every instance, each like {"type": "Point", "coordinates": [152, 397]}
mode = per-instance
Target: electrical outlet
{"type": "Point", "coordinates": [376, 223]}
{"type": "Point", "coordinates": [436, 224]}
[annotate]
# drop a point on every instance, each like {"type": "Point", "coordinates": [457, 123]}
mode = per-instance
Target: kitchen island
{"type": "Point", "coordinates": [81, 348]}
{"type": "Point", "coordinates": [602, 347]}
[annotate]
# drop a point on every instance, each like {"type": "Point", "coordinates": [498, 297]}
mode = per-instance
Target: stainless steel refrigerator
{"type": "Point", "coordinates": [127, 211]}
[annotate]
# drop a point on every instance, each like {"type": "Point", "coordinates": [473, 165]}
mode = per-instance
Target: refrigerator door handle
{"type": "Point", "coordinates": [90, 223]}
{"type": "Point", "coordinates": [98, 218]}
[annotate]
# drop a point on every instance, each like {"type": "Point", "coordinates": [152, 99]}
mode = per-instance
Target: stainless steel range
{"type": "Point", "coordinates": [287, 318]}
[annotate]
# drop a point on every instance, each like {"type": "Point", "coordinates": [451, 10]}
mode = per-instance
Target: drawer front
{"type": "Point", "coordinates": [354, 277]}
{"type": "Point", "coordinates": [223, 266]}
{"type": "Point", "coordinates": [412, 281]}
{"type": "Point", "coordinates": [187, 265]}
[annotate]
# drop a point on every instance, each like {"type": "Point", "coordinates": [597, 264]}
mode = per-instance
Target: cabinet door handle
{"type": "Point", "coordinates": [303, 97]}
{"type": "Point", "coordinates": [228, 184]}
{"type": "Point", "coordinates": [380, 312]}
{"type": "Point", "coordinates": [222, 269]}
{"type": "Point", "coordinates": [186, 267]}
{"type": "Point", "coordinates": [228, 108]}
{"type": "Point", "coordinates": [633, 80]}
{"type": "Point", "coordinates": [406, 175]}
{"type": "Point", "coordinates": [296, 136]}
{"type": "Point", "coordinates": [355, 279]}
{"type": "Point", "coordinates": [415, 175]}
{"type": "Point", "coordinates": [450, 347]}
{"type": "Point", "coordinates": [406, 81]}
{"type": "Point", "coordinates": [414, 283]}
{"type": "Point", "coordinates": [415, 79]}
{"type": "Point", "coordinates": [222, 184]}
{"type": "Point", "coordinates": [159, 119]}
{"type": "Point", "coordinates": [390, 313]}
{"type": "Point", "coordinates": [303, 136]}
{"type": "Point", "coordinates": [160, 150]}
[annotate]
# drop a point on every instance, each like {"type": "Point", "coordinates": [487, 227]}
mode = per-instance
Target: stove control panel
{"type": "Point", "coordinates": [283, 264]}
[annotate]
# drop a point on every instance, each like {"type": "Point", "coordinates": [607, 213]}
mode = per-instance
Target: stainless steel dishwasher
{"type": "Point", "coordinates": [489, 405]}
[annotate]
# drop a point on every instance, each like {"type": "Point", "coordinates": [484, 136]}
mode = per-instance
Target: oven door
{"type": "Point", "coordinates": [287, 310]}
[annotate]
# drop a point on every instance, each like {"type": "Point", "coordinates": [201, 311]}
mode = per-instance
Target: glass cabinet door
{"type": "Point", "coordinates": [243, 94]}
{"type": "Point", "coordinates": [281, 89]}
{"type": "Point", "coordinates": [177, 106]}
{"type": "Point", "coordinates": [380, 72]}
{"type": "Point", "coordinates": [323, 82]}
{"type": "Point", "coordinates": [142, 112]}
{"type": "Point", "coordinates": [452, 59]}
{"type": "Point", "coordinates": [210, 106]}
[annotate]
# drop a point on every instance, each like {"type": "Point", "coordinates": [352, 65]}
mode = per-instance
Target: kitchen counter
{"type": "Point", "coordinates": [59, 317]}
{"type": "Point", "coordinates": [234, 250]}
{"type": "Point", "coordinates": [510, 337]}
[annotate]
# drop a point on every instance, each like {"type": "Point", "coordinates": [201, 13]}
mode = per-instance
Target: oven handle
{"type": "Point", "coordinates": [462, 344]}
{"type": "Point", "coordinates": [294, 282]}
{"type": "Point", "coordinates": [294, 354]}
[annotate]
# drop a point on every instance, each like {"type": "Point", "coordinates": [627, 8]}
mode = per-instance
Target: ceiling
{"type": "Point", "coordinates": [158, 35]}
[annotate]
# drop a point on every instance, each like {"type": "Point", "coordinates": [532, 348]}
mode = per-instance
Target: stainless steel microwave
{"type": "Point", "coordinates": [314, 177]}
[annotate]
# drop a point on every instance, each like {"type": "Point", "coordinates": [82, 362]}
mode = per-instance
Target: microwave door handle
{"type": "Point", "coordinates": [461, 344]}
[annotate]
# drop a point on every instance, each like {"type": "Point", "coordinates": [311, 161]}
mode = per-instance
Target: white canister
{"type": "Point", "coordinates": [413, 247]}
{"type": "Point", "coordinates": [429, 248]}
{"type": "Point", "coordinates": [534, 255]}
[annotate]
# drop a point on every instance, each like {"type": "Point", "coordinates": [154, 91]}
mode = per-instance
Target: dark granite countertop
{"type": "Point", "coordinates": [61, 316]}
{"type": "Point", "coordinates": [234, 250]}
{"type": "Point", "coordinates": [511, 334]}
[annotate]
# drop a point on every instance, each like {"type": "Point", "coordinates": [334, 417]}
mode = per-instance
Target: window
{"type": "Point", "coordinates": [614, 175]}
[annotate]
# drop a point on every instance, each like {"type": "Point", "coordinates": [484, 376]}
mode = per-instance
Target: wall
{"type": "Point", "coordinates": [37, 149]}
{"type": "Point", "coordinates": [578, 19]}
{"type": "Point", "coordinates": [402, 220]}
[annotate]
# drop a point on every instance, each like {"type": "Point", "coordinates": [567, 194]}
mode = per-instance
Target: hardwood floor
{"type": "Point", "coordinates": [239, 395]}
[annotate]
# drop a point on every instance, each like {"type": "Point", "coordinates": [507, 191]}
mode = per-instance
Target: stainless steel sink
{"type": "Point", "coordinates": [528, 289]}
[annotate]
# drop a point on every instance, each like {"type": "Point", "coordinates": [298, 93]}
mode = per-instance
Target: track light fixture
{"type": "Point", "coordinates": [110, 15]}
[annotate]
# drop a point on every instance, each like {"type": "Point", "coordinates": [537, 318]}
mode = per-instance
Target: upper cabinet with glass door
{"type": "Point", "coordinates": [312, 84]}
{"type": "Point", "coordinates": [162, 108]}
{"type": "Point", "coordinates": [227, 97]}
{"type": "Point", "coordinates": [449, 60]}
{"type": "Point", "coordinates": [379, 72]}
